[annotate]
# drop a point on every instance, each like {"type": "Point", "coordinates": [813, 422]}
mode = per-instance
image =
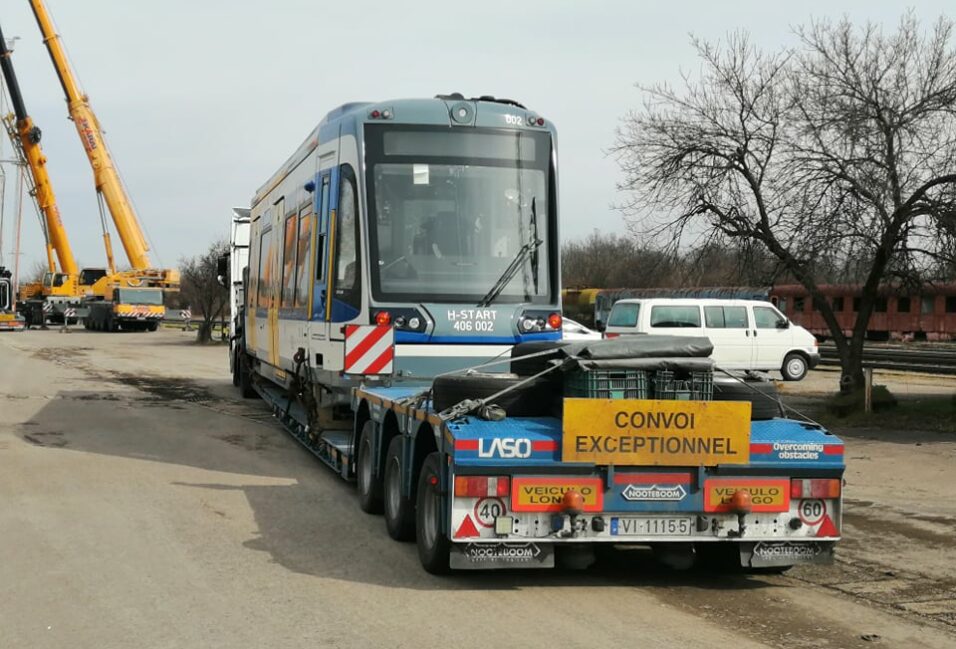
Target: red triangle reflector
{"type": "Point", "coordinates": [467, 529]}
{"type": "Point", "coordinates": [827, 528]}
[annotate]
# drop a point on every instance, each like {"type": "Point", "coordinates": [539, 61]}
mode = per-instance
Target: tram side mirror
{"type": "Point", "coordinates": [222, 270]}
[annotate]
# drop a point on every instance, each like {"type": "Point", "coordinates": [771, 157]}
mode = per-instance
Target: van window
{"type": "Point", "coordinates": [735, 317]}
{"type": "Point", "coordinates": [767, 318]}
{"type": "Point", "coordinates": [675, 316]}
{"type": "Point", "coordinates": [624, 314]}
{"type": "Point", "coordinates": [725, 317]}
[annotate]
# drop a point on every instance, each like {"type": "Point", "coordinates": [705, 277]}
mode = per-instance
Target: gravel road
{"type": "Point", "coordinates": [143, 504]}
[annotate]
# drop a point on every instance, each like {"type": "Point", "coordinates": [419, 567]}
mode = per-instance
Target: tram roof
{"type": "Point", "coordinates": [345, 119]}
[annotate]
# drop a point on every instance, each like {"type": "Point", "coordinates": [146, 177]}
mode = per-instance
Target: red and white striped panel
{"type": "Point", "coordinates": [369, 349]}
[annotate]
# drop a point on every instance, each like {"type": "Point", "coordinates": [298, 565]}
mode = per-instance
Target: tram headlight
{"type": "Point", "coordinates": [540, 322]}
{"type": "Point", "coordinates": [402, 319]}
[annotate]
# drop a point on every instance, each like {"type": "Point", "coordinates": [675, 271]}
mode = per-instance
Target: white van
{"type": "Point", "coordinates": [747, 334]}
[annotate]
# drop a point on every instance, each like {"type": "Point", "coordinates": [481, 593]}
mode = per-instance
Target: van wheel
{"type": "Point", "coordinates": [369, 485]}
{"type": "Point", "coordinates": [399, 510]}
{"type": "Point", "coordinates": [795, 367]}
{"type": "Point", "coordinates": [434, 548]}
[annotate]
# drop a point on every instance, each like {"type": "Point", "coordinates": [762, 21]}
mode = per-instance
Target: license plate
{"type": "Point", "coordinates": [651, 526]}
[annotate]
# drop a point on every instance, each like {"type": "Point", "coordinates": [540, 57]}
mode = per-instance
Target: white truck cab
{"type": "Point", "coordinates": [747, 334]}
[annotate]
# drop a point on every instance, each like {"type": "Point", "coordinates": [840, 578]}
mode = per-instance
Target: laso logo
{"type": "Point", "coordinates": [504, 447]}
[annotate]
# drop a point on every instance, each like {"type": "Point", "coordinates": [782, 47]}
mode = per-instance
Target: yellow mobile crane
{"type": "Point", "coordinates": [130, 299]}
{"type": "Point", "coordinates": [58, 293]}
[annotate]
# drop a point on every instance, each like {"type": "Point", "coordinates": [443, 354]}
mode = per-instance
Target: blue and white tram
{"type": "Point", "coordinates": [436, 216]}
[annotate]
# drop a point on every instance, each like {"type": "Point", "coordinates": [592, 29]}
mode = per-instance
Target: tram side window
{"type": "Point", "coordinates": [288, 262]}
{"type": "Point", "coordinates": [263, 300]}
{"type": "Point", "coordinates": [347, 277]}
{"type": "Point", "coordinates": [322, 226]}
{"type": "Point", "coordinates": [303, 257]}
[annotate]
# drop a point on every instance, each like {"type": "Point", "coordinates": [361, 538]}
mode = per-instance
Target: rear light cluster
{"type": "Point", "coordinates": [401, 319]}
{"type": "Point", "coordinates": [381, 113]}
{"type": "Point", "coordinates": [815, 487]}
{"type": "Point", "coordinates": [482, 486]}
{"type": "Point", "coordinates": [607, 335]}
{"type": "Point", "coordinates": [534, 120]}
{"type": "Point", "coordinates": [539, 322]}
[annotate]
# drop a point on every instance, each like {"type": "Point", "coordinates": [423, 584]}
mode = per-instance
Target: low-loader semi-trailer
{"type": "Point", "coordinates": [400, 313]}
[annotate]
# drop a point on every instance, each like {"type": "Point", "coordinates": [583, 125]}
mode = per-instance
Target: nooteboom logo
{"type": "Point", "coordinates": [654, 492]}
{"type": "Point", "coordinates": [503, 552]}
{"type": "Point", "coordinates": [787, 550]}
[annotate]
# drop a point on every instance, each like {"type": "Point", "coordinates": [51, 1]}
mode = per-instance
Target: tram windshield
{"type": "Point", "coordinates": [451, 210]}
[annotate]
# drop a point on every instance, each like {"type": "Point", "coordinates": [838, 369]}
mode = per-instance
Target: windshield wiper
{"type": "Point", "coordinates": [534, 237]}
{"type": "Point", "coordinates": [530, 248]}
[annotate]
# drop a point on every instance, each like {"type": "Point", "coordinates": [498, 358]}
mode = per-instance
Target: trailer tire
{"type": "Point", "coordinates": [369, 485]}
{"type": "Point", "coordinates": [152, 326]}
{"type": "Point", "coordinates": [763, 396]}
{"type": "Point", "coordinates": [245, 378]}
{"type": "Point", "coordinates": [235, 367]}
{"type": "Point", "coordinates": [434, 548]}
{"type": "Point", "coordinates": [399, 509]}
{"type": "Point", "coordinates": [534, 399]}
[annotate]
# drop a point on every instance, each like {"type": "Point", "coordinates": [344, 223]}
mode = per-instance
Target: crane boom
{"type": "Point", "coordinates": [28, 135]}
{"type": "Point", "coordinates": [105, 175]}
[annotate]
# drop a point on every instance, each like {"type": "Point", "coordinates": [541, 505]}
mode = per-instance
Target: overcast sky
{"type": "Point", "coordinates": [203, 99]}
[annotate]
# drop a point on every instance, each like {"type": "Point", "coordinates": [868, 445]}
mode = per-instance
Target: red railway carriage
{"type": "Point", "coordinates": [899, 314]}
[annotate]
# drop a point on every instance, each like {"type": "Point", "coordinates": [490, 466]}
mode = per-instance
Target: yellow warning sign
{"type": "Point", "coordinates": [662, 433]}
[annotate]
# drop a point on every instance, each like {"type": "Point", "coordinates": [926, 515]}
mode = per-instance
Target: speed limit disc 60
{"type": "Point", "coordinates": [812, 511]}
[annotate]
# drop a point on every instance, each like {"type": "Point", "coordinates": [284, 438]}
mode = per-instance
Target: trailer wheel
{"type": "Point", "coordinates": [235, 367]}
{"type": "Point", "coordinates": [399, 510]}
{"type": "Point", "coordinates": [369, 485]}
{"type": "Point", "coordinates": [434, 548]}
{"type": "Point", "coordinates": [152, 326]}
{"type": "Point", "coordinates": [245, 379]}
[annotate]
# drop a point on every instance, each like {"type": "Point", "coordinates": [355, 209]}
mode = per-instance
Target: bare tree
{"type": "Point", "coordinates": [200, 288]}
{"type": "Point", "coordinates": [838, 153]}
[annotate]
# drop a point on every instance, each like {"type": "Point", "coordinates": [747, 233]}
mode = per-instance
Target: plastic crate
{"type": "Point", "coordinates": [685, 386]}
{"type": "Point", "coordinates": [607, 384]}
